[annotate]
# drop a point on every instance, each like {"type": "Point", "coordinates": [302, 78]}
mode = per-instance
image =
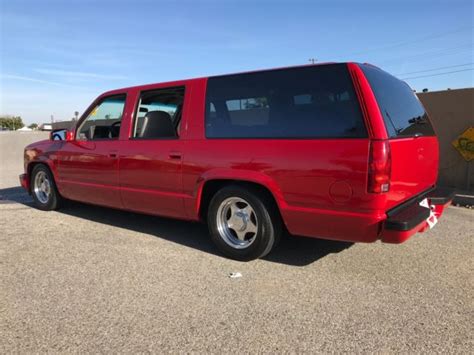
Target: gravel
{"type": "Point", "coordinates": [90, 279]}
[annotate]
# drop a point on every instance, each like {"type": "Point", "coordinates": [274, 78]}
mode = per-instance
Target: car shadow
{"type": "Point", "coordinates": [298, 251]}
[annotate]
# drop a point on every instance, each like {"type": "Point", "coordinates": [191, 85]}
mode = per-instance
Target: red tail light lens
{"type": "Point", "coordinates": [380, 166]}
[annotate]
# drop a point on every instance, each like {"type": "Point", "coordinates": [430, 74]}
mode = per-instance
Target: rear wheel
{"type": "Point", "coordinates": [43, 189]}
{"type": "Point", "coordinates": [243, 223]}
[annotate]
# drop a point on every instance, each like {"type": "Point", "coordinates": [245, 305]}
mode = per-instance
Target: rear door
{"type": "Point", "coordinates": [151, 158]}
{"type": "Point", "coordinates": [413, 143]}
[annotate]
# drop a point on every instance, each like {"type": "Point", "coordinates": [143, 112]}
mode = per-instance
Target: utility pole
{"type": "Point", "coordinates": [312, 60]}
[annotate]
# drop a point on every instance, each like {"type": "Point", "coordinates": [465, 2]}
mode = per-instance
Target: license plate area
{"type": "Point", "coordinates": [432, 219]}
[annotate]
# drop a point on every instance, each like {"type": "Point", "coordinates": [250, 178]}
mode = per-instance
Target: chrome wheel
{"type": "Point", "coordinates": [42, 187]}
{"type": "Point", "coordinates": [237, 222]}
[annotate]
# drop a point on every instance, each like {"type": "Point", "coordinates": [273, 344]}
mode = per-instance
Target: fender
{"type": "Point", "coordinates": [44, 152]}
{"type": "Point", "coordinates": [242, 175]}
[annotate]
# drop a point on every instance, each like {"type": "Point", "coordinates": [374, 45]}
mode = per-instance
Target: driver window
{"type": "Point", "coordinates": [103, 122]}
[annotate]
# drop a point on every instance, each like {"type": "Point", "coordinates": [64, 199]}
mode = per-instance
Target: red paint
{"type": "Point", "coordinates": [87, 171]}
{"type": "Point", "coordinates": [24, 181]}
{"type": "Point", "coordinates": [321, 186]}
{"type": "Point", "coordinates": [414, 167]}
{"type": "Point", "coordinates": [439, 209]}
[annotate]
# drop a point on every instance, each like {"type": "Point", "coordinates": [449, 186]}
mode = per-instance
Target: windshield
{"type": "Point", "coordinates": [402, 112]}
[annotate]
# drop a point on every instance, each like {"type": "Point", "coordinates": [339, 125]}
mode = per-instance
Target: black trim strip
{"type": "Point", "coordinates": [409, 214]}
{"type": "Point", "coordinates": [408, 218]}
{"type": "Point", "coordinates": [415, 199]}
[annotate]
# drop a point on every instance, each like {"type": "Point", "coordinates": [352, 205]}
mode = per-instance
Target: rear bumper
{"type": "Point", "coordinates": [409, 218]}
{"type": "Point", "coordinates": [25, 182]}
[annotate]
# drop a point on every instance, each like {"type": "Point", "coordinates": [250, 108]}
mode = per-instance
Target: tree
{"type": "Point", "coordinates": [11, 122]}
{"type": "Point", "coordinates": [33, 126]}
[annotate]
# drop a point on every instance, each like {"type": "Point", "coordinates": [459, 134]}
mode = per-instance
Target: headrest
{"type": "Point", "coordinates": [157, 124]}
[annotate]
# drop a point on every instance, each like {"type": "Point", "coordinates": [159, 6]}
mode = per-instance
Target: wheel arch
{"type": "Point", "coordinates": [261, 184]}
{"type": "Point", "coordinates": [31, 165]}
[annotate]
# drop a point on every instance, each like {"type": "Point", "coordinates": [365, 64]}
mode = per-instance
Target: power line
{"type": "Point", "coordinates": [434, 69]}
{"type": "Point", "coordinates": [420, 39]}
{"type": "Point", "coordinates": [449, 72]}
{"type": "Point", "coordinates": [424, 55]}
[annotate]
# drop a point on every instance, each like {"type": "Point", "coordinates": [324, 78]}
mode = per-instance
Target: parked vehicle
{"type": "Point", "coordinates": [335, 151]}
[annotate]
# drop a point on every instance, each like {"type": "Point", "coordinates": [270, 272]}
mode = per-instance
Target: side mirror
{"type": "Point", "coordinates": [61, 135]}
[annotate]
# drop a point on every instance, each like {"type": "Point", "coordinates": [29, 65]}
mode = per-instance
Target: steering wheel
{"type": "Point", "coordinates": [115, 129]}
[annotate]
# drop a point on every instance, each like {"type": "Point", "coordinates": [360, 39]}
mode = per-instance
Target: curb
{"type": "Point", "coordinates": [464, 200]}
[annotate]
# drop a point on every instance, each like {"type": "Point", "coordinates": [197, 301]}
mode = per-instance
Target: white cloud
{"type": "Point", "coordinates": [68, 73]}
{"type": "Point", "coordinates": [35, 80]}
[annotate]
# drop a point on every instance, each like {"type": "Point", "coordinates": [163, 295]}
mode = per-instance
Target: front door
{"type": "Point", "coordinates": [88, 165]}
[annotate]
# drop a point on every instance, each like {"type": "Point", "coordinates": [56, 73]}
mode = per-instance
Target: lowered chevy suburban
{"type": "Point", "coordinates": [336, 151]}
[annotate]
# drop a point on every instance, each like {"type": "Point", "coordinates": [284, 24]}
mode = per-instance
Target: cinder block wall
{"type": "Point", "coordinates": [451, 112]}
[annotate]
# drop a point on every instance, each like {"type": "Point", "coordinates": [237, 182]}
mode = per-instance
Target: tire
{"type": "Point", "coordinates": [243, 223]}
{"type": "Point", "coordinates": [43, 189]}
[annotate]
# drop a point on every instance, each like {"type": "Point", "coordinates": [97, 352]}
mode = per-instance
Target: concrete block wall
{"type": "Point", "coordinates": [11, 154]}
{"type": "Point", "coordinates": [452, 112]}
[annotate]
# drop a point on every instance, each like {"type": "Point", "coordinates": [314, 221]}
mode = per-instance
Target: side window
{"type": "Point", "coordinates": [248, 112]}
{"type": "Point", "coordinates": [159, 113]}
{"type": "Point", "coordinates": [103, 122]}
{"type": "Point", "coordinates": [308, 102]}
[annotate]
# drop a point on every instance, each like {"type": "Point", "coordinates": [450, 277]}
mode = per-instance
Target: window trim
{"type": "Point", "coordinates": [95, 104]}
{"type": "Point", "coordinates": [135, 115]}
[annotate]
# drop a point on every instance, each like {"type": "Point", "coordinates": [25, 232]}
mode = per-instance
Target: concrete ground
{"type": "Point", "coordinates": [90, 279]}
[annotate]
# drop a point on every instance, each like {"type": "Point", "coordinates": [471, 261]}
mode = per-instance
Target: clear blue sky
{"type": "Point", "coordinates": [57, 56]}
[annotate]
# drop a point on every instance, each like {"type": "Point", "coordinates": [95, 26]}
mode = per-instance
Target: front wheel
{"type": "Point", "coordinates": [243, 223]}
{"type": "Point", "coordinates": [43, 189]}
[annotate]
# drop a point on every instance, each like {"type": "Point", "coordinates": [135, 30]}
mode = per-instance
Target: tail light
{"type": "Point", "coordinates": [380, 165]}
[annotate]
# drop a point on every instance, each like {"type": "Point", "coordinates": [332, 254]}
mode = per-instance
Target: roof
{"type": "Point", "coordinates": [225, 74]}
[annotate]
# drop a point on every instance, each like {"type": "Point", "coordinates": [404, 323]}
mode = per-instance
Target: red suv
{"type": "Point", "coordinates": [335, 151]}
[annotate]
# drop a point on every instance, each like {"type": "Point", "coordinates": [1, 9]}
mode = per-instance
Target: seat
{"type": "Point", "coordinates": [157, 124]}
{"type": "Point", "coordinates": [100, 132]}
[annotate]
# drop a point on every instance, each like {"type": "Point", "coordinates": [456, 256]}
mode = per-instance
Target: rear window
{"type": "Point", "coordinates": [402, 112]}
{"type": "Point", "coordinates": [309, 102]}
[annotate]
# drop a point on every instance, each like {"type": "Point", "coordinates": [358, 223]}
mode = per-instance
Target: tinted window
{"type": "Point", "coordinates": [159, 113]}
{"type": "Point", "coordinates": [402, 112]}
{"type": "Point", "coordinates": [103, 122]}
{"type": "Point", "coordinates": [309, 102]}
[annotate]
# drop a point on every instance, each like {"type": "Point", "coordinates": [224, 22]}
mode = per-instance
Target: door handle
{"type": "Point", "coordinates": [113, 154]}
{"type": "Point", "coordinates": [175, 155]}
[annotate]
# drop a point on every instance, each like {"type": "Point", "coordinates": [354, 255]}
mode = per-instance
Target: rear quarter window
{"type": "Point", "coordinates": [403, 113]}
{"type": "Point", "coordinates": [308, 102]}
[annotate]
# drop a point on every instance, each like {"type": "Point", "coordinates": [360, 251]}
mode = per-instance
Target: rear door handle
{"type": "Point", "coordinates": [175, 155]}
{"type": "Point", "coordinates": [113, 154]}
